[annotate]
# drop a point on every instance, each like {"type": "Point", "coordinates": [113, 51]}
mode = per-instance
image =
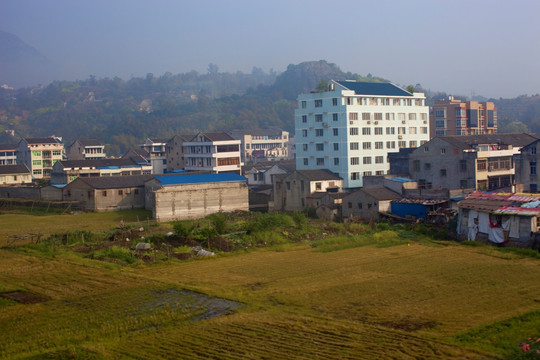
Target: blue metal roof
{"type": "Point", "coordinates": [400, 179]}
{"type": "Point", "coordinates": [372, 88]}
{"type": "Point", "coordinates": [199, 178]}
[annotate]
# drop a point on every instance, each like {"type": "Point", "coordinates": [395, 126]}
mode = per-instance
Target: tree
{"type": "Point", "coordinates": [410, 88]}
{"type": "Point", "coordinates": [322, 86]}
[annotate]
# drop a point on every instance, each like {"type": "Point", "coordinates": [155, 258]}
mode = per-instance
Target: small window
{"type": "Point", "coordinates": [120, 192]}
{"type": "Point", "coordinates": [318, 186]}
{"type": "Point", "coordinates": [104, 193]}
{"type": "Point", "coordinates": [443, 172]}
{"type": "Point", "coordinates": [136, 192]}
{"type": "Point", "coordinates": [349, 205]}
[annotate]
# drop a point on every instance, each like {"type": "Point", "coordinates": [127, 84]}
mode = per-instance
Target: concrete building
{"type": "Point", "coordinates": [178, 197]}
{"type": "Point", "coordinates": [8, 154]}
{"type": "Point", "coordinates": [66, 171]}
{"type": "Point", "coordinates": [263, 173]}
{"type": "Point", "coordinates": [107, 193]}
{"type": "Point", "coordinates": [456, 117]}
{"type": "Point", "coordinates": [368, 203]}
{"type": "Point", "coordinates": [291, 191]}
{"type": "Point", "coordinates": [481, 162]}
{"type": "Point", "coordinates": [212, 152]}
{"type": "Point", "coordinates": [158, 154]}
{"type": "Point", "coordinates": [39, 155]}
{"type": "Point", "coordinates": [526, 162]}
{"type": "Point", "coordinates": [86, 149]}
{"type": "Point", "coordinates": [175, 152]}
{"type": "Point", "coordinates": [262, 144]}
{"type": "Point", "coordinates": [350, 128]}
{"type": "Point", "coordinates": [15, 175]}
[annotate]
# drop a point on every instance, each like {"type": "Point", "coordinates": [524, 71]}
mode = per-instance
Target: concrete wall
{"type": "Point", "coordinates": [23, 192]}
{"type": "Point", "coordinates": [192, 201]}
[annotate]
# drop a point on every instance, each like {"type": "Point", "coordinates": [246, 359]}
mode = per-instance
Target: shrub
{"type": "Point", "coordinates": [219, 221]}
{"type": "Point", "coordinates": [183, 229]}
{"type": "Point", "coordinates": [263, 222]}
{"type": "Point", "coordinates": [299, 218]}
{"type": "Point", "coordinates": [117, 253]}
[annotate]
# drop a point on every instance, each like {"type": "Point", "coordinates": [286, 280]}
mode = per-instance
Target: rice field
{"type": "Point", "coordinates": [406, 300]}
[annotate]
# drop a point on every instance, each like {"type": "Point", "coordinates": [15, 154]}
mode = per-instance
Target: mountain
{"type": "Point", "coordinates": [22, 65]}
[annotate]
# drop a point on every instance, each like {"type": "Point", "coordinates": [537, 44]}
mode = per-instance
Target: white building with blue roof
{"type": "Point", "coordinates": [351, 127]}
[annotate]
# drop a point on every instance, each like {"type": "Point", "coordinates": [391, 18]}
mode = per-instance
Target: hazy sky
{"type": "Point", "coordinates": [489, 48]}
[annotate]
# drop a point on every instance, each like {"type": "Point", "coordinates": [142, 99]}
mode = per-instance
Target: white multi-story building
{"type": "Point", "coordinates": [212, 152]}
{"type": "Point", "coordinates": [267, 144]}
{"type": "Point", "coordinates": [350, 128]}
{"type": "Point", "coordinates": [39, 155]}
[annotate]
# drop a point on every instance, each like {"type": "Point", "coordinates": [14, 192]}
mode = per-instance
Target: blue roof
{"type": "Point", "coordinates": [199, 178]}
{"type": "Point", "coordinates": [372, 88]}
{"type": "Point", "coordinates": [400, 179]}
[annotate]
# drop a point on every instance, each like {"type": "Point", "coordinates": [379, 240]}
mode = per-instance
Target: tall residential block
{"type": "Point", "coordinates": [351, 127]}
{"type": "Point", "coordinates": [456, 117]}
{"type": "Point", "coordinates": [39, 155]}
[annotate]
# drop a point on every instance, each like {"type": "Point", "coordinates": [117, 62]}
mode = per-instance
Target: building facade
{"type": "Point", "coordinates": [86, 149]}
{"type": "Point", "coordinates": [175, 152]}
{"type": "Point", "coordinates": [158, 155]}
{"type": "Point", "coordinates": [526, 161]}
{"type": "Point", "coordinates": [39, 155]}
{"type": "Point", "coordinates": [267, 144]}
{"type": "Point", "coordinates": [212, 152]}
{"type": "Point", "coordinates": [66, 171]}
{"type": "Point", "coordinates": [482, 162]}
{"type": "Point", "coordinates": [14, 175]}
{"type": "Point", "coordinates": [8, 154]}
{"type": "Point", "coordinates": [350, 128]}
{"type": "Point", "coordinates": [456, 117]}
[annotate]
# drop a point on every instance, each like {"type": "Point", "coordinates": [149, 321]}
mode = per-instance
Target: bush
{"type": "Point", "coordinates": [183, 229]}
{"type": "Point", "coordinates": [117, 253]}
{"type": "Point", "coordinates": [299, 218]}
{"type": "Point", "coordinates": [219, 221]}
{"type": "Point", "coordinates": [262, 222]}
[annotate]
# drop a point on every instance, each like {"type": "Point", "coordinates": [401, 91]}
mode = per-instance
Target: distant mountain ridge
{"type": "Point", "coordinates": [22, 65]}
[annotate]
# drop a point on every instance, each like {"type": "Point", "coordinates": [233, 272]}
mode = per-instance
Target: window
{"type": "Point", "coordinates": [481, 165]}
{"type": "Point", "coordinates": [353, 131]}
{"type": "Point", "coordinates": [304, 133]}
{"type": "Point", "coordinates": [366, 131]}
{"type": "Point", "coordinates": [336, 146]}
{"type": "Point", "coordinates": [423, 130]}
{"type": "Point", "coordinates": [533, 150]}
{"type": "Point", "coordinates": [366, 160]}
{"type": "Point", "coordinates": [354, 146]}
{"type": "Point", "coordinates": [377, 116]}
{"type": "Point", "coordinates": [440, 113]}
{"type": "Point", "coordinates": [359, 205]}
{"type": "Point", "coordinates": [533, 167]}
{"type": "Point", "coordinates": [443, 150]}
{"type": "Point", "coordinates": [379, 172]}
{"type": "Point", "coordinates": [305, 147]}
{"type": "Point", "coordinates": [379, 145]}
{"type": "Point", "coordinates": [335, 131]}
{"type": "Point", "coordinates": [533, 188]}
{"type": "Point", "coordinates": [443, 172]}
{"type": "Point", "coordinates": [427, 166]}
{"type": "Point", "coordinates": [36, 153]}
{"type": "Point", "coordinates": [318, 186]}
{"type": "Point", "coordinates": [366, 145]}
{"type": "Point", "coordinates": [104, 193]}
{"type": "Point", "coordinates": [36, 172]}
{"type": "Point", "coordinates": [390, 116]}
{"type": "Point", "coordinates": [402, 144]}
{"type": "Point", "coordinates": [412, 116]}
{"type": "Point", "coordinates": [319, 147]}
{"type": "Point", "coordinates": [440, 132]}
{"type": "Point", "coordinates": [355, 175]}
{"type": "Point", "coordinates": [36, 162]}
{"type": "Point", "coordinates": [306, 161]}
{"type": "Point", "coordinates": [335, 117]}
{"type": "Point", "coordinates": [390, 131]}
{"type": "Point", "coordinates": [426, 148]}
{"type": "Point", "coordinates": [319, 132]}
{"type": "Point", "coordinates": [367, 173]}
{"type": "Point", "coordinates": [353, 116]}
{"type": "Point", "coordinates": [379, 159]}
{"type": "Point", "coordinates": [320, 161]}
{"type": "Point", "coordinates": [423, 116]}
{"type": "Point", "coordinates": [304, 104]}
{"type": "Point", "coordinates": [366, 116]}
{"type": "Point", "coordinates": [318, 103]}
{"type": "Point", "coordinates": [304, 118]}
{"type": "Point", "coordinates": [120, 192]}
{"type": "Point", "coordinates": [349, 205]}
{"type": "Point", "coordinates": [412, 144]}
{"type": "Point", "coordinates": [57, 152]}
{"type": "Point", "coordinates": [401, 130]}
{"type": "Point", "coordinates": [401, 116]}
{"type": "Point", "coordinates": [440, 124]}
{"type": "Point", "coordinates": [355, 161]}
{"type": "Point", "coordinates": [318, 117]}
{"type": "Point", "coordinates": [412, 130]}
{"type": "Point", "coordinates": [378, 131]}
{"type": "Point", "coordinates": [334, 101]}
{"type": "Point", "coordinates": [336, 161]}
{"type": "Point", "coordinates": [390, 144]}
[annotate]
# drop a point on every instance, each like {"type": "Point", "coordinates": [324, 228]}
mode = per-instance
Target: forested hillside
{"type": "Point", "coordinates": [122, 113]}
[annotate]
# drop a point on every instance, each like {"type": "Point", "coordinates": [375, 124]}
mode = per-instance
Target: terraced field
{"type": "Point", "coordinates": [401, 302]}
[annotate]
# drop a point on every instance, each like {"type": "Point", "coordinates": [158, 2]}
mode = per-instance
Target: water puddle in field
{"type": "Point", "coordinates": [23, 297]}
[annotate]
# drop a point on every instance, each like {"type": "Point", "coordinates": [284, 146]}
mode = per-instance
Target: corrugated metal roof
{"type": "Point", "coordinates": [400, 179]}
{"type": "Point", "coordinates": [198, 178]}
{"type": "Point", "coordinates": [373, 88]}
{"type": "Point", "coordinates": [516, 210]}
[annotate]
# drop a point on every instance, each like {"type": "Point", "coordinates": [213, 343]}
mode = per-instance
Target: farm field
{"type": "Point", "coordinates": [411, 300]}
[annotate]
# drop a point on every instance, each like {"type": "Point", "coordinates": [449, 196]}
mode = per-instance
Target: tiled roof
{"type": "Point", "coordinates": [94, 163]}
{"type": "Point", "coordinates": [381, 193]}
{"type": "Point", "coordinates": [138, 152]}
{"type": "Point", "coordinates": [4, 147]}
{"type": "Point", "coordinates": [46, 140]}
{"type": "Point", "coordinates": [113, 182]}
{"type": "Point", "coordinates": [321, 174]}
{"type": "Point", "coordinates": [14, 169]}
{"type": "Point", "coordinates": [90, 142]}
{"type": "Point", "coordinates": [198, 178]}
{"type": "Point", "coordinates": [159, 140]}
{"type": "Point", "coordinates": [466, 141]}
{"type": "Point", "coordinates": [373, 88]}
{"type": "Point", "coordinates": [217, 136]}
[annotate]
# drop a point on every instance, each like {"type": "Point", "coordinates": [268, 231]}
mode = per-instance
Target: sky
{"type": "Point", "coordinates": [462, 47]}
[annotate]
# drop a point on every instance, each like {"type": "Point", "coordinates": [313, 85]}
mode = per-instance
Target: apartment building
{"type": "Point", "coordinates": [456, 117]}
{"type": "Point", "coordinates": [263, 144]}
{"type": "Point", "coordinates": [482, 162]}
{"type": "Point", "coordinates": [212, 152]}
{"type": "Point", "coordinates": [352, 126]}
{"type": "Point", "coordinates": [39, 155]}
{"type": "Point", "coordinates": [8, 154]}
{"type": "Point", "coordinates": [86, 149]}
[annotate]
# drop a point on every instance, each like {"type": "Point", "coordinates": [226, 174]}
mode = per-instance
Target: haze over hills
{"type": "Point", "coordinates": [22, 65]}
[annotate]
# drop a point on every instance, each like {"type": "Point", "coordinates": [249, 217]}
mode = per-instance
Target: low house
{"type": "Point", "coordinates": [263, 173]}
{"type": "Point", "coordinates": [107, 193]}
{"type": "Point", "coordinates": [291, 191]}
{"type": "Point", "coordinates": [15, 175]}
{"type": "Point", "coordinates": [368, 203]}
{"type": "Point", "coordinates": [177, 197]}
{"type": "Point", "coordinates": [500, 218]}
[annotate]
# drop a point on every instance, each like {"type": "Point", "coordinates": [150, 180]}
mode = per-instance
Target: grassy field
{"type": "Point", "coordinates": [407, 298]}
